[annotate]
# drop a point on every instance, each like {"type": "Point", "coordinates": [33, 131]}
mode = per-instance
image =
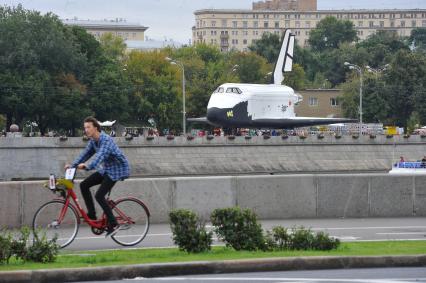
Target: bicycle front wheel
{"type": "Point", "coordinates": [133, 218]}
{"type": "Point", "coordinates": [57, 221]}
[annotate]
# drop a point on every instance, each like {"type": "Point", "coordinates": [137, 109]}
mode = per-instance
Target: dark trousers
{"type": "Point", "coordinates": [105, 187]}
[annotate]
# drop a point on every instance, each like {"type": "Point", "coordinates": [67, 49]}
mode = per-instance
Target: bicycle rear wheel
{"type": "Point", "coordinates": [48, 219]}
{"type": "Point", "coordinates": [133, 217]}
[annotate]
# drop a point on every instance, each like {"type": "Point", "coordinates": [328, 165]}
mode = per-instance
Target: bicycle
{"type": "Point", "coordinates": [61, 216]}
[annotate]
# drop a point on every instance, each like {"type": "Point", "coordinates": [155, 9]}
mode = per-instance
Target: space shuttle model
{"type": "Point", "coordinates": [237, 105]}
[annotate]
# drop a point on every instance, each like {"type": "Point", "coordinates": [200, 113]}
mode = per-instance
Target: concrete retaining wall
{"type": "Point", "coordinates": [35, 158]}
{"type": "Point", "coordinates": [271, 197]}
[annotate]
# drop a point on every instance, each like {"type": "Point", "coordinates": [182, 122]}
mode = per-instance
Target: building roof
{"type": "Point", "coordinates": [117, 24]}
{"type": "Point", "coordinates": [151, 44]}
{"type": "Point", "coordinates": [240, 11]}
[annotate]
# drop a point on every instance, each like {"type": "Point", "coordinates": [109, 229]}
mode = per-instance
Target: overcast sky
{"type": "Point", "coordinates": [173, 19]}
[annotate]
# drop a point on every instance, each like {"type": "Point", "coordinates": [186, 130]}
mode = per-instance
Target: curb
{"type": "Point", "coordinates": [208, 267]}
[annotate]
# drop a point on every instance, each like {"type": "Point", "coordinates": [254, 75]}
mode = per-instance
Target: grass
{"type": "Point", "coordinates": [140, 256]}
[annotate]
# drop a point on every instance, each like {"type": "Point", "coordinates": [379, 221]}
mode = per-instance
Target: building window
{"type": "Point", "coordinates": [334, 101]}
{"type": "Point", "coordinates": [297, 24]}
{"type": "Point", "coordinates": [256, 24]}
{"type": "Point", "coordinates": [360, 23]}
{"type": "Point", "coordinates": [371, 24]}
{"type": "Point", "coordinates": [213, 23]}
{"type": "Point", "coordinates": [265, 24]}
{"type": "Point", "coordinates": [245, 25]}
{"type": "Point", "coordinates": [402, 23]}
{"type": "Point", "coordinates": [224, 23]}
{"type": "Point", "coordinates": [382, 24]}
{"type": "Point", "coordinates": [413, 24]}
{"type": "Point", "coordinates": [392, 24]}
{"type": "Point", "coordinates": [244, 41]}
{"type": "Point", "coordinates": [234, 24]}
{"type": "Point", "coordinates": [287, 24]}
{"type": "Point", "coordinates": [308, 25]}
{"type": "Point", "coordinates": [313, 101]}
{"type": "Point", "coordinates": [424, 23]}
{"type": "Point", "coordinates": [277, 24]}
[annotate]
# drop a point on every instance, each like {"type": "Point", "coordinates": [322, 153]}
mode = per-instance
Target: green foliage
{"type": "Point", "coordinates": [188, 233]}
{"type": "Point", "coordinates": [330, 33]}
{"type": "Point", "coordinates": [40, 250]}
{"type": "Point", "coordinates": [381, 47]}
{"type": "Point", "coordinates": [295, 78]}
{"type": "Point", "coordinates": [157, 89]}
{"type": "Point", "coordinates": [113, 46]}
{"type": "Point", "coordinates": [299, 238]}
{"type": "Point", "coordinates": [6, 250]}
{"type": "Point", "coordinates": [238, 228]}
{"type": "Point", "coordinates": [268, 47]}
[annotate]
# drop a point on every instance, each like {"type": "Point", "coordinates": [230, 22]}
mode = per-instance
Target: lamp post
{"type": "Point", "coordinates": [359, 70]}
{"type": "Point", "coordinates": [378, 70]}
{"type": "Point", "coordinates": [180, 64]}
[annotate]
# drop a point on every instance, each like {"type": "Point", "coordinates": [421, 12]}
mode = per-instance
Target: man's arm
{"type": "Point", "coordinates": [104, 148]}
{"type": "Point", "coordinates": [84, 156]}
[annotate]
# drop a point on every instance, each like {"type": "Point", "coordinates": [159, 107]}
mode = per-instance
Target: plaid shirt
{"type": "Point", "coordinates": [108, 160]}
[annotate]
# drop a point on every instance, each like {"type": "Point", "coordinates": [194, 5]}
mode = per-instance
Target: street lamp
{"type": "Point", "coordinates": [359, 70]}
{"type": "Point", "coordinates": [378, 70]}
{"type": "Point", "coordinates": [180, 64]}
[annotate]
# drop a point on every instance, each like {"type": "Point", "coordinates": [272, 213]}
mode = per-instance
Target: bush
{"type": "Point", "coordinates": [239, 229]}
{"type": "Point", "coordinates": [188, 232]}
{"type": "Point", "coordinates": [300, 238]}
{"type": "Point", "coordinates": [19, 246]}
{"type": "Point", "coordinates": [42, 250]}
{"type": "Point", "coordinates": [323, 242]}
{"type": "Point", "coordinates": [5, 247]}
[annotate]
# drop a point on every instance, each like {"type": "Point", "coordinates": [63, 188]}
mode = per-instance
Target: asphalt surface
{"type": "Point", "coordinates": [367, 275]}
{"type": "Point", "coordinates": [363, 229]}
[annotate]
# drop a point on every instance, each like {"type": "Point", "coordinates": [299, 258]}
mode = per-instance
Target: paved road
{"type": "Point", "coordinates": [368, 275]}
{"type": "Point", "coordinates": [368, 229]}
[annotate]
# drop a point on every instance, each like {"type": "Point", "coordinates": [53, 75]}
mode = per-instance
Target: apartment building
{"type": "Point", "coordinates": [287, 5]}
{"type": "Point", "coordinates": [119, 27]}
{"type": "Point", "coordinates": [238, 29]}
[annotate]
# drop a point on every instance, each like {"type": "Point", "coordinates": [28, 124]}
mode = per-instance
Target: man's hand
{"type": "Point", "coordinates": [81, 166]}
{"type": "Point", "coordinates": [67, 166]}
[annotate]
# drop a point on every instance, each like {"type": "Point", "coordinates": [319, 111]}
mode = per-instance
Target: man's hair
{"type": "Point", "coordinates": [94, 122]}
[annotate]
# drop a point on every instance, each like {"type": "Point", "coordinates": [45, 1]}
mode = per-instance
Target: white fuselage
{"type": "Point", "coordinates": [263, 101]}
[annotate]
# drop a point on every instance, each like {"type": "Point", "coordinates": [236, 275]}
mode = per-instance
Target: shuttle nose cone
{"type": "Point", "coordinates": [213, 115]}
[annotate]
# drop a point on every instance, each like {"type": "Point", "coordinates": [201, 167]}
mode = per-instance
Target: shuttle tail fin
{"type": "Point", "coordinates": [285, 58]}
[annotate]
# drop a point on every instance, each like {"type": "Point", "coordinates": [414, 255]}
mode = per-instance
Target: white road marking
{"type": "Point", "coordinates": [369, 228]}
{"type": "Point", "coordinates": [287, 280]}
{"type": "Point", "coordinates": [403, 233]}
{"type": "Point", "coordinates": [103, 236]}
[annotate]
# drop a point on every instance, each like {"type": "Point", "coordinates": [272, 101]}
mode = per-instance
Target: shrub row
{"type": "Point", "coordinates": [39, 249]}
{"type": "Point", "coordinates": [239, 229]}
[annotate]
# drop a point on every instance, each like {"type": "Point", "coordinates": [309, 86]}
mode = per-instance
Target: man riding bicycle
{"type": "Point", "coordinates": [111, 166]}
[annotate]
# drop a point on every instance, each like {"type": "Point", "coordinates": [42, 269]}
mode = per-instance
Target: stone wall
{"type": "Point", "coordinates": [271, 197]}
{"type": "Point", "coordinates": [36, 158]}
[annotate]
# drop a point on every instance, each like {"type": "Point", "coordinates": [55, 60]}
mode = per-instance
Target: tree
{"type": "Point", "coordinates": [113, 46]}
{"type": "Point", "coordinates": [295, 78]}
{"type": "Point", "coordinates": [268, 47]}
{"type": "Point", "coordinates": [418, 38]}
{"type": "Point", "coordinates": [156, 89]}
{"type": "Point", "coordinates": [252, 68]}
{"type": "Point", "coordinates": [330, 33]}
{"type": "Point", "coordinates": [34, 51]}
{"type": "Point", "coordinates": [381, 47]}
